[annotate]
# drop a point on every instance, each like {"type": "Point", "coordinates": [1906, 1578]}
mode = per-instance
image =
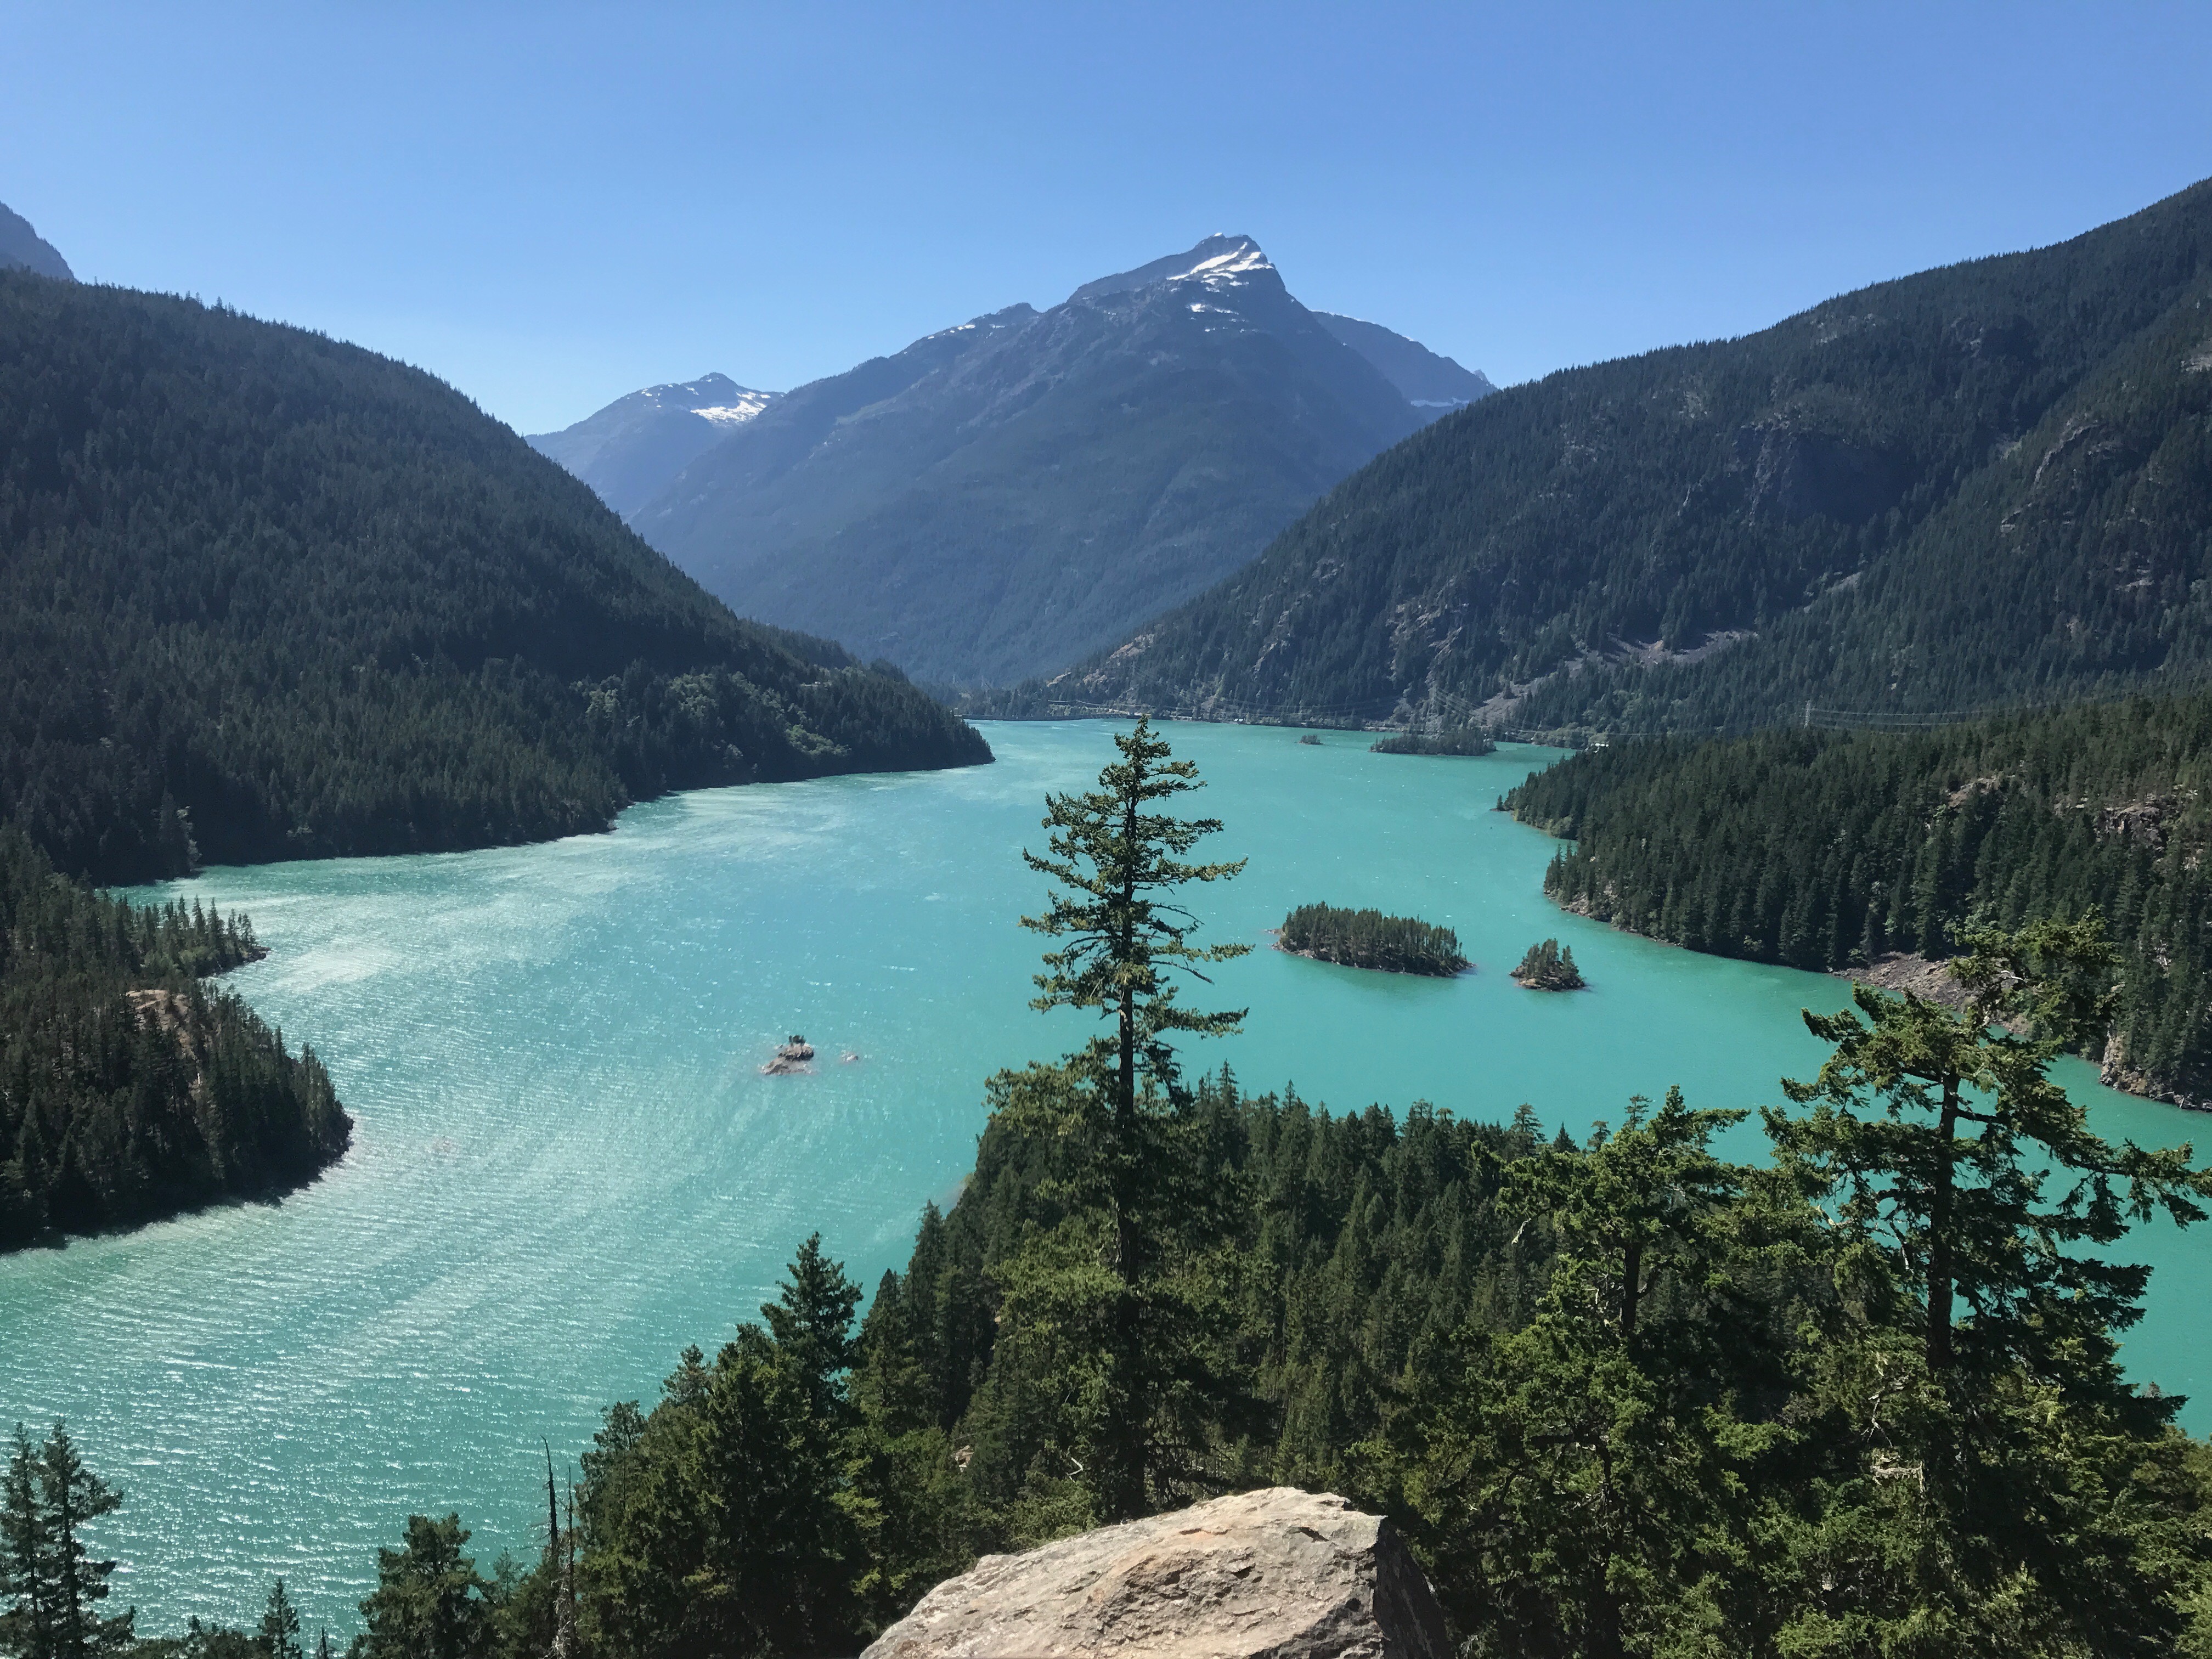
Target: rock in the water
{"type": "Point", "coordinates": [1282, 1573]}
{"type": "Point", "coordinates": [792, 1057]}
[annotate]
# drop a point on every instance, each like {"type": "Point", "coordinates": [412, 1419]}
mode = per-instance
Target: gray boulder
{"type": "Point", "coordinates": [1282, 1573]}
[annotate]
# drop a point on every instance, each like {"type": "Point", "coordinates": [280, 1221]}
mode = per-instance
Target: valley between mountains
{"type": "Point", "coordinates": [1708, 1307]}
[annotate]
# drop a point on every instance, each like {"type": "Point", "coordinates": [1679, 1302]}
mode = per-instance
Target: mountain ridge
{"type": "Point", "coordinates": [23, 248]}
{"type": "Point", "coordinates": [1715, 534]}
{"type": "Point", "coordinates": [1003, 494]}
{"type": "Point", "coordinates": [629, 451]}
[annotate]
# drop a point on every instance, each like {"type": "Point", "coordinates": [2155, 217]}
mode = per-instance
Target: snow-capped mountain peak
{"type": "Point", "coordinates": [1240, 256]}
{"type": "Point", "coordinates": [1222, 260]}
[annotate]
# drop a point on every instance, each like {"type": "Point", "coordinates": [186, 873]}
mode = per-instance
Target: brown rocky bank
{"type": "Point", "coordinates": [1931, 980]}
{"type": "Point", "coordinates": [1281, 1573]}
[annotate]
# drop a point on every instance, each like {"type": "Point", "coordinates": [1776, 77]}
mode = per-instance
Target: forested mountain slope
{"type": "Point", "coordinates": [1825, 849]}
{"type": "Point", "coordinates": [283, 597]}
{"type": "Point", "coordinates": [1001, 497]}
{"type": "Point", "coordinates": [1983, 481]}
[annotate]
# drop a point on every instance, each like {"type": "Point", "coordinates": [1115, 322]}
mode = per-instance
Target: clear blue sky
{"type": "Point", "coordinates": [552, 204]}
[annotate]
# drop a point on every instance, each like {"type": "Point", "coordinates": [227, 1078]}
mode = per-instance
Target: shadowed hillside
{"type": "Point", "coordinates": [264, 595]}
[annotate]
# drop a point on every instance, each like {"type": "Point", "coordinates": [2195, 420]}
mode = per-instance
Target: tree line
{"type": "Point", "coordinates": [128, 1090]}
{"type": "Point", "coordinates": [1828, 850]}
{"type": "Point", "coordinates": [1624, 1395]}
{"type": "Point", "coordinates": [264, 595]}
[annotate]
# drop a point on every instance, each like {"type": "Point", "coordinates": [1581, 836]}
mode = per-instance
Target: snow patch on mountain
{"type": "Point", "coordinates": [747, 404]}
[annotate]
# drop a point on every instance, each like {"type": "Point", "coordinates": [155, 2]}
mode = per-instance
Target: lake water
{"type": "Point", "coordinates": [567, 1165]}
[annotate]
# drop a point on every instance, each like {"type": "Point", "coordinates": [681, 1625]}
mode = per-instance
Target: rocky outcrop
{"type": "Point", "coordinates": [796, 1055]}
{"type": "Point", "coordinates": [1281, 1573]}
{"type": "Point", "coordinates": [1903, 971]}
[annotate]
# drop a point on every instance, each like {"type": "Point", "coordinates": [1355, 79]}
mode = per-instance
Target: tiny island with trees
{"type": "Point", "coordinates": [1466, 741]}
{"type": "Point", "coordinates": [1368, 939]}
{"type": "Point", "coordinates": [1549, 967]}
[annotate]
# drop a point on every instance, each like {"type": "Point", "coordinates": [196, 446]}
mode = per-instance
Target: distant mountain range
{"type": "Point", "coordinates": [23, 248]}
{"type": "Point", "coordinates": [1005, 495]}
{"type": "Point", "coordinates": [631, 449]}
{"type": "Point", "coordinates": [1985, 482]}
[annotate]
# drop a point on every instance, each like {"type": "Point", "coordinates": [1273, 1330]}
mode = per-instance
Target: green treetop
{"type": "Point", "coordinates": [51, 1584]}
{"type": "Point", "coordinates": [1967, 1210]}
{"type": "Point", "coordinates": [1115, 857]}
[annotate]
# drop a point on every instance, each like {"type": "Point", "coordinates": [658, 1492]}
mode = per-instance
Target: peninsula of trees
{"type": "Point", "coordinates": [1368, 939]}
{"type": "Point", "coordinates": [128, 1090]}
{"type": "Point", "coordinates": [1833, 850]}
{"type": "Point", "coordinates": [264, 595]}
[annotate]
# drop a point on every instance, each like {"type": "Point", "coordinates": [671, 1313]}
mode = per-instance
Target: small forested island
{"type": "Point", "coordinates": [1311, 738]}
{"type": "Point", "coordinates": [129, 1091]}
{"type": "Point", "coordinates": [1368, 939]}
{"type": "Point", "coordinates": [1466, 741]}
{"type": "Point", "coordinates": [1549, 967]}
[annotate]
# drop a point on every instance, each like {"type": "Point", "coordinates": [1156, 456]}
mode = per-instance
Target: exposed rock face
{"type": "Point", "coordinates": [796, 1055]}
{"type": "Point", "coordinates": [1902, 971]}
{"type": "Point", "coordinates": [1282, 1573]}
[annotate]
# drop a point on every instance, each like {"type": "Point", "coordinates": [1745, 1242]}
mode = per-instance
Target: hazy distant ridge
{"type": "Point", "coordinates": [630, 450]}
{"type": "Point", "coordinates": [1007, 493]}
{"type": "Point", "coordinates": [23, 248]}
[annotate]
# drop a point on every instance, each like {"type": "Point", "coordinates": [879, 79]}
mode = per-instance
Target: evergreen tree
{"type": "Point", "coordinates": [2004, 1487]}
{"type": "Point", "coordinates": [52, 1583]}
{"type": "Point", "coordinates": [280, 1626]}
{"type": "Point", "coordinates": [1580, 1481]}
{"type": "Point", "coordinates": [724, 1522]}
{"type": "Point", "coordinates": [72, 1496]}
{"type": "Point", "coordinates": [27, 1587]}
{"type": "Point", "coordinates": [1118, 1105]}
{"type": "Point", "coordinates": [430, 1601]}
{"type": "Point", "coordinates": [1967, 1210]}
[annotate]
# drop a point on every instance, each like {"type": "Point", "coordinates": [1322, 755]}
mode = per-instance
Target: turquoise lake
{"type": "Point", "coordinates": [567, 1165]}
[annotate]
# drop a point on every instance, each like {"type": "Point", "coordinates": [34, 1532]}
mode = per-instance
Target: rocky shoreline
{"type": "Point", "coordinates": [1931, 981]}
{"type": "Point", "coordinates": [1903, 971]}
